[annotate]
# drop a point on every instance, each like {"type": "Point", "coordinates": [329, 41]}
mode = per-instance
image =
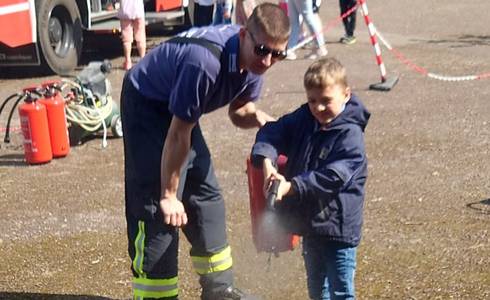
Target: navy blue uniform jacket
{"type": "Point", "coordinates": [327, 168]}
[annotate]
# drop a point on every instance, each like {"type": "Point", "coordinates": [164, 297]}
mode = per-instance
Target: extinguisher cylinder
{"type": "Point", "coordinates": [34, 125]}
{"type": "Point", "coordinates": [58, 129]}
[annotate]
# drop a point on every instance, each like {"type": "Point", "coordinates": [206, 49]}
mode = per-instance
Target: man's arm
{"type": "Point", "coordinates": [175, 151]}
{"type": "Point", "coordinates": [244, 114]}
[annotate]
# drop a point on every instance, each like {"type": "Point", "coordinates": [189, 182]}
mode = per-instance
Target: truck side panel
{"type": "Point", "coordinates": [18, 33]}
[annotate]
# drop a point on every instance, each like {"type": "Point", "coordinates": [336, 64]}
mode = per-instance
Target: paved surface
{"type": "Point", "coordinates": [427, 215]}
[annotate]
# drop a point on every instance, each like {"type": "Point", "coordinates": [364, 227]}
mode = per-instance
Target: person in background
{"type": "Point", "coordinates": [321, 195]}
{"type": "Point", "coordinates": [203, 12]}
{"type": "Point", "coordinates": [243, 10]}
{"type": "Point", "coordinates": [349, 22]}
{"type": "Point", "coordinates": [170, 181]}
{"type": "Point", "coordinates": [304, 28]}
{"type": "Point", "coordinates": [132, 18]}
{"type": "Point", "coordinates": [224, 10]}
{"type": "Point", "coordinates": [304, 8]}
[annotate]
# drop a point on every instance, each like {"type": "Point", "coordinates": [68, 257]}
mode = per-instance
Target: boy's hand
{"type": "Point", "coordinates": [284, 185]}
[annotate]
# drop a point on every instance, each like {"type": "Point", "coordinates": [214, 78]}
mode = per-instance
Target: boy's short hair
{"type": "Point", "coordinates": [270, 19]}
{"type": "Point", "coordinates": [325, 72]}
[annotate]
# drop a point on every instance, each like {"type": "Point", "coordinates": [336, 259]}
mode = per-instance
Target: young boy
{"type": "Point", "coordinates": [321, 194]}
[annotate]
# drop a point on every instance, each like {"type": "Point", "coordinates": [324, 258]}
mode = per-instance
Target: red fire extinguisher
{"type": "Point", "coordinates": [268, 236]}
{"type": "Point", "coordinates": [58, 129]}
{"type": "Point", "coordinates": [34, 125]}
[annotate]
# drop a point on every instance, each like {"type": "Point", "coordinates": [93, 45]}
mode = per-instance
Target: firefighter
{"type": "Point", "coordinates": [169, 177]}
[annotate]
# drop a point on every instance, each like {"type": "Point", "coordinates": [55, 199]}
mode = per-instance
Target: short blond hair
{"type": "Point", "coordinates": [271, 20]}
{"type": "Point", "coordinates": [325, 72]}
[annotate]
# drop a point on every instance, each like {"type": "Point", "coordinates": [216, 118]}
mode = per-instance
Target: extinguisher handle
{"type": "Point", "coordinates": [272, 194]}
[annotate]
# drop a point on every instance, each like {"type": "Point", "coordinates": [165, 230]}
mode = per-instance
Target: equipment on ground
{"type": "Point", "coordinates": [64, 112]}
{"type": "Point", "coordinates": [89, 104]}
{"type": "Point", "coordinates": [55, 108]}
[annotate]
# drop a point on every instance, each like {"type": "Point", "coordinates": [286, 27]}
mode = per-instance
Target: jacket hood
{"type": "Point", "coordinates": [354, 113]}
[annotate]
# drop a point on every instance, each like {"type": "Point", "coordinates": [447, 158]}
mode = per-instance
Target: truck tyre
{"type": "Point", "coordinates": [60, 34]}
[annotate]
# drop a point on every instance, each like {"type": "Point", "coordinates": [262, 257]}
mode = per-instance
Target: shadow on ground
{"type": "Point", "coordinates": [482, 206]}
{"type": "Point", "coordinates": [12, 160]}
{"type": "Point", "coordinates": [466, 40]}
{"type": "Point", "coordinates": [36, 296]}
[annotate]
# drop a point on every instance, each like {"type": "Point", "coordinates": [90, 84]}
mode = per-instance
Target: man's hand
{"type": "Point", "coordinates": [173, 211]}
{"type": "Point", "coordinates": [244, 114]}
{"type": "Point", "coordinates": [263, 117]}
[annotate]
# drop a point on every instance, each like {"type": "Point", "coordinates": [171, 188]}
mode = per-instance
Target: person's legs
{"type": "Point", "coordinates": [349, 21]}
{"type": "Point", "coordinates": [206, 229]}
{"type": "Point", "coordinates": [294, 13]}
{"type": "Point", "coordinates": [140, 36]}
{"type": "Point", "coordinates": [203, 14]}
{"type": "Point", "coordinates": [315, 27]}
{"type": "Point", "coordinates": [316, 273]}
{"type": "Point", "coordinates": [218, 14]}
{"type": "Point", "coordinates": [341, 261]}
{"type": "Point", "coordinates": [152, 245]}
{"type": "Point", "coordinates": [127, 41]}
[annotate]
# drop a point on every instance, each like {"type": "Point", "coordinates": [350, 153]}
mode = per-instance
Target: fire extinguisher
{"type": "Point", "coordinates": [34, 125]}
{"type": "Point", "coordinates": [55, 107]}
{"type": "Point", "coordinates": [267, 232]}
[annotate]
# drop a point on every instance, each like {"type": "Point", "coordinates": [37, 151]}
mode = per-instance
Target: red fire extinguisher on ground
{"type": "Point", "coordinates": [55, 107]}
{"type": "Point", "coordinates": [267, 233]}
{"type": "Point", "coordinates": [34, 125]}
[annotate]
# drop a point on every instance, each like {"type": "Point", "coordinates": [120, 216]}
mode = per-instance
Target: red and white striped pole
{"type": "Point", "coordinates": [374, 41]}
{"type": "Point", "coordinates": [385, 84]}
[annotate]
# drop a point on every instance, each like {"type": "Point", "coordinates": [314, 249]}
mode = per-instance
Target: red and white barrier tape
{"type": "Point", "coordinates": [423, 71]}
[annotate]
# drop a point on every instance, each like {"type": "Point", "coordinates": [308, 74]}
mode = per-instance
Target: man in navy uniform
{"type": "Point", "coordinates": [169, 177]}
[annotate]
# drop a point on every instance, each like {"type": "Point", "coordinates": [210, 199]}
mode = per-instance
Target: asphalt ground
{"type": "Point", "coordinates": [427, 212]}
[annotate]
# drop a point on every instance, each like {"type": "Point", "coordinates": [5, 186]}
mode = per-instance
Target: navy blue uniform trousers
{"type": "Point", "coordinates": [145, 125]}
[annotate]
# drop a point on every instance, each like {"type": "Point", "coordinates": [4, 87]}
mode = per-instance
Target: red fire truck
{"type": "Point", "coordinates": [50, 32]}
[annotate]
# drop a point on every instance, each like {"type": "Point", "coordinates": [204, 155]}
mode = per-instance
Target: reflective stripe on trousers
{"type": "Point", "coordinates": [154, 288]}
{"type": "Point", "coordinates": [218, 262]}
{"type": "Point", "coordinates": [144, 287]}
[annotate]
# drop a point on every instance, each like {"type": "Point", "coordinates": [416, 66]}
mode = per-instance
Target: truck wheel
{"type": "Point", "coordinates": [60, 34]}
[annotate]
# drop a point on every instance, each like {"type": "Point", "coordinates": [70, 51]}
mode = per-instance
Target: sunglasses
{"type": "Point", "coordinates": [262, 50]}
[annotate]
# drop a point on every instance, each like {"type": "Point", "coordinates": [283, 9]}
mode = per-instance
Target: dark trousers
{"type": "Point", "coordinates": [203, 15]}
{"type": "Point", "coordinates": [350, 21]}
{"type": "Point", "coordinates": [145, 125]}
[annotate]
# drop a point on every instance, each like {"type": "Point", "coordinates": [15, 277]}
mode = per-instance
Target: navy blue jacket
{"type": "Point", "coordinates": [327, 168]}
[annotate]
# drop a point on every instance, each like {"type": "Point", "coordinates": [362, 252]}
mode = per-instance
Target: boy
{"type": "Point", "coordinates": [321, 194]}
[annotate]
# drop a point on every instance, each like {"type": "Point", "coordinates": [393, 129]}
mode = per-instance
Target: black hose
{"type": "Point", "coordinates": [7, 100]}
{"type": "Point", "coordinates": [7, 129]}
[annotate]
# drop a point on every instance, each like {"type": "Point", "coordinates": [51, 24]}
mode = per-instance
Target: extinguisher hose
{"type": "Point", "coordinates": [7, 100]}
{"type": "Point", "coordinates": [7, 130]}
